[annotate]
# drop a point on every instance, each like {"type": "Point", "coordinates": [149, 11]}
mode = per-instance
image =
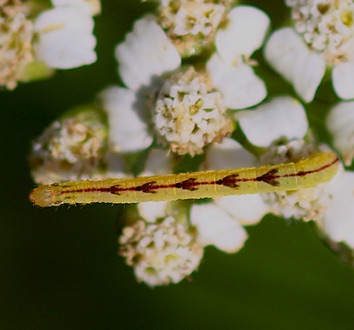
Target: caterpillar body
{"type": "Point", "coordinates": [305, 173]}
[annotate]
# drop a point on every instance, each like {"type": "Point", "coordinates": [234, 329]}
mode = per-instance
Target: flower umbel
{"type": "Point", "coordinates": [170, 105]}
{"type": "Point", "coordinates": [326, 26]}
{"type": "Point", "coordinates": [191, 24]}
{"type": "Point", "coordinates": [188, 114]}
{"type": "Point", "coordinates": [321, 37]}
{"type": "Point", "coordinates": [162, 252]}
{"type": "Point", "coordinates": [184, 108]}
{"type": "Point", "coordinates": [70, 149]}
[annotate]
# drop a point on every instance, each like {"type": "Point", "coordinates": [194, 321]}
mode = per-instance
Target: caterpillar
{"type": "Point", "coordinates": [305, 173]}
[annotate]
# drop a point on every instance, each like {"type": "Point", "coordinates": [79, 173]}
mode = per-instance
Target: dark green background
{"type": "Point", "coordinates": [59, 267]}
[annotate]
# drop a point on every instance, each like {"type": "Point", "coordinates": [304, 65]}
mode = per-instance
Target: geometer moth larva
{"type": "Point", "coordinates": [305, 173]}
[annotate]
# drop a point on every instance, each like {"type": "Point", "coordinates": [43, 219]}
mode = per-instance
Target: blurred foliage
{"type": "Point", "coordinates": [60, 269]}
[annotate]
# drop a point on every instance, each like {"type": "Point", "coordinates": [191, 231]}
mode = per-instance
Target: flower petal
{"type": "Point", "coordinates": [343, 80]}
{"type": "Point", "coordinates": [128, 128]}
{"type": "Point", "coordinates": [65, 38]}
{"type": "Point", "coordinates": [216, 227]}
{"type": "Point", "coordinates": [289, 56]}
{"type": "Point", "coordinates": [247, 209]}
{"type": "Point", "coordinates": [244, 33]}
{"type": "Point", "coordinates": [228, 154]}
{"type": "Point", "coordinates": [282, 117]}
{"type": "Point", "coordinates": [338, 219]}
{"type": "Point", "coordinates": [158, 163]}
{"type": "Point", "coordinates": [92, 7]}
{"type": "Point", "coordinates": [340, 123]}
{"type": "Point", "coordinates": [151, 211]}
{"type": "Point", "coordinates": [116, 167]}
{"type": "Point", "coordinates": [240, 87]}
{"type": "Point", "coordinates": [146, 54]}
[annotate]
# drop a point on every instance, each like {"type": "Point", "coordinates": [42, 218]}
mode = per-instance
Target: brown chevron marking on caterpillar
{"type": "Point", "coordinates": [270, 178]}
{"type": "Point", "coordinates": [229, 181]}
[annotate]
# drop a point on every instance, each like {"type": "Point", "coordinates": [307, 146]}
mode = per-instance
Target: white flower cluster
{"type": "Point", "coordinates": [322, 36]}
{"type": "Point", "coordinates": [191, 17]}
{"type": "Point", "coordinates": [191, 24]}
{"type": "Point", "coordinates": [188, 115]}
{"type": "Point", "coordinates": [172, 106]}
{"type": "Point", "coordinates": [71, 149]}
{"type": "Point", "coordinates": [162, 252]}
{"type": "Point", "coordinates": [186, 106]}
{"type": "Point", "coordinates": [326, 26]}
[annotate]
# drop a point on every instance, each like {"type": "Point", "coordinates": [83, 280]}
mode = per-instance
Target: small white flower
{"type": "Point", "coordinates": [71, 148]}
{"type": "Point", "coordinates": [163, 251]}
{"type": "Point", "coordinates": [178, 106]}
{"type": "Point", "coordinates": [31, 46]}
{"type": "Point", "coordinates": [322, 36]}
{"type": "Point", "coordinates": [144, 56]}
{"type": "Point", "coordinates": [340, 123]}
{"type": "Point", "coordinates": [229, 67]}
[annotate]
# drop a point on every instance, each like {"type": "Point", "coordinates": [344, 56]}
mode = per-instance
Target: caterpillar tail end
{"type": "Point", "coordinates": [331, 165]}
